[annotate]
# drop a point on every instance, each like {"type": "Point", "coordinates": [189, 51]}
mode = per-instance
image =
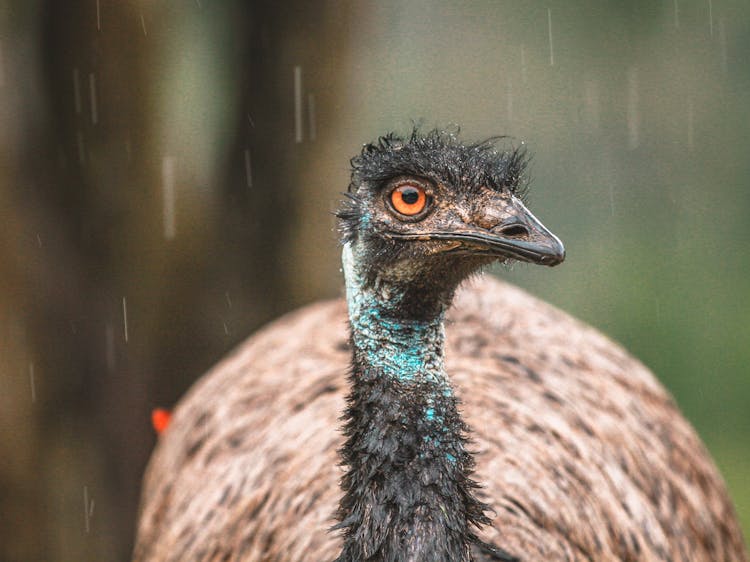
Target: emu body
{"type": "Point", "coordinates": [579, 453]}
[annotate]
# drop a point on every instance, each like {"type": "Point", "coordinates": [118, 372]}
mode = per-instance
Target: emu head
{"type": "Point", "coordinates": [430, 209]}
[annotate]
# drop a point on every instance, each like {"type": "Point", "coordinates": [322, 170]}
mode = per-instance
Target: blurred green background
{"type": "Point", "coordinates": [168, 170]}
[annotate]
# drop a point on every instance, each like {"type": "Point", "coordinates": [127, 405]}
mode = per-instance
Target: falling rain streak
{"type": "Point", "coordinates": [88, 509]}
{"type": "Point", "coordinates": [676, 14]}
{"type": "Point", "coordinates": [298, 104]}
{"type": "Point", "coordinates": [143, 25]}
{"type": "Point", "coordinates": [591, 103]}
{"type": "Point", "coordinates": [549, 29]}
{"type": "Point", "coordinates": [523, 65]}
{"type": "Point", "coordinates": [509, 104]}
{"type": "Point", "coordinates": [248, 169]}
{"type": "Point", "coordinates": [168, 195]}
{"type": "Point", "coordinates": [311, 116]}
{"type": "Point", "coordinates": [711, 17]}
{"type": "Point", "coordinates": [77, 91]}
{"type": "Point", "coordinates": [109, 346]}
{"type": "Point", "coordinates": [81, 147]}
{"type": "Point", "coordinates": [92, 91]}
{"type": "Point", "coordinates": [32, 382]}
{"type": "Point", "coordinates": [723, 44]}
{"type": "Point", "coordinates": [690, 126]}
{"type": "Point", "coordinates": [98, 17]}
{"type": "Point", "coordinates": [125, 318]}
{"type": "Point", "coordinates": [2, 67]}
{"type": "Point", "coordinates": [632, 113]}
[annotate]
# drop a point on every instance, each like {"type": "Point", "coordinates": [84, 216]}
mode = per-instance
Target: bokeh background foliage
{"type": "Point", "coordinates": [168, 170]}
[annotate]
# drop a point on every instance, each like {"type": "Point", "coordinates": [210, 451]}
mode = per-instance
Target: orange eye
{"type": "Point", "coordinates": [409, 199]}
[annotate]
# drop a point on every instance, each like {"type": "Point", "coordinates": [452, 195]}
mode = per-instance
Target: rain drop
{"type": "Point", "coordinates": [92, 91]}
{"type": "Point", "coordinates": [549, 29]}
{"type": "Point", "coordinates": [81, 147]}
{"type": "Point", "coordinates": [632, 112]}
{"type": "Point", "coordinates": [311, 116]}
{"type": "Point", "coordinates": [168, 196]}
{"type": "Point", "coordinates": [109, 346]}
{"type": "Point", "coordinates": [723, 44]}
{"type": "Point", "coordinates": [509, 101]}
{"type": "Point", "coordinates": [248, 169]}
{"type": "Point", "coordinates": [88, 509]}
{"type": "Point", "coordinates": [32, 382]}
{"type": "Point", "coordinates": [125, 318]}
{"type": "Point", "coordinates": [298, 104]}
{"type": "Point", "coordinates": [77, 91]}
{"type": "Point", "coordinates": [592, 105]}
{"type": "Point", "coordinates": [2, 67]}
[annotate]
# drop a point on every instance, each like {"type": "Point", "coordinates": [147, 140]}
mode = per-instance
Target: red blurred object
{"type": "Point", "coordinates": [160, 419]}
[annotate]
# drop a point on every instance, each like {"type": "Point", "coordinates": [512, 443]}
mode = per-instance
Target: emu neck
{"type": "Point", "coordinates": [407, 492]}
{"type": "Point", "coordinates": [393, 345]}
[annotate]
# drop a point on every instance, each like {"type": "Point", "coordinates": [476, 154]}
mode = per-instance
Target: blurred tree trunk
{"type": "Point", "coordinates": [105, 313]}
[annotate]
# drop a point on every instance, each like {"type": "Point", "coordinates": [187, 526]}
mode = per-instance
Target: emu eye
{"type": "Point", "coordinates": [409, 199]}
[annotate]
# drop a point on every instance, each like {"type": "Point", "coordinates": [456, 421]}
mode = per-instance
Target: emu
{"type": "Point", "coordinates": [498, 428]}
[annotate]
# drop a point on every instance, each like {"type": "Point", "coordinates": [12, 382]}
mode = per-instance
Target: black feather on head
{"type": "Point", "coordinates": [438, 155]}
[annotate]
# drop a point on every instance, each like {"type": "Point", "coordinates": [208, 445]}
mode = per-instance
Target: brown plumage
{"type": "Point", "coordinates": [580, 451]}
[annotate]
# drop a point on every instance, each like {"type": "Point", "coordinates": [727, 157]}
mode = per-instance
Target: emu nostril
{"type": "Point", "coordinates": [514, 230]}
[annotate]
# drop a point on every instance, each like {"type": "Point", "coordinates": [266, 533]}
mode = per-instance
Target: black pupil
{"type": "Point", "coordinates": [409, 195]}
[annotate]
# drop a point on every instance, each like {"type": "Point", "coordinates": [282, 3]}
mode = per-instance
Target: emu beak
{"type": "Point", "coordinates": [523, 237]}
{"type": "Point", "coordinates": [509, 231]}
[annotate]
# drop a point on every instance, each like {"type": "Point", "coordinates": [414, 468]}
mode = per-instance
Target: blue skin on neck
{"type": "Point", "coordinates": [408, 351]}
